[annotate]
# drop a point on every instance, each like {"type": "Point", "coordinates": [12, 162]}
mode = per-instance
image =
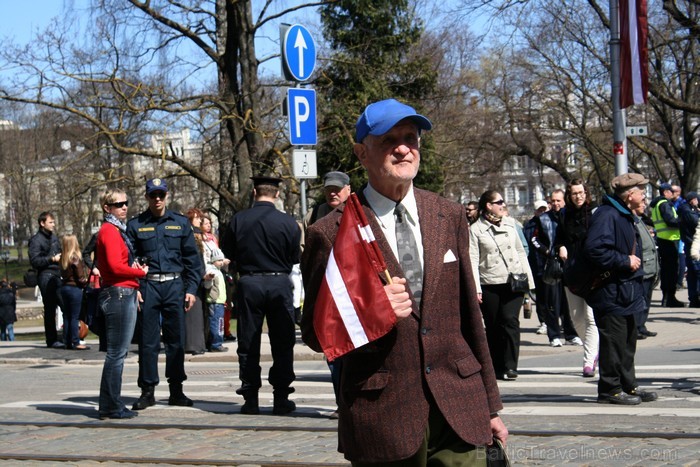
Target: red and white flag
{"type": "Point", "coordinates": [634, 53]}
{"type": "Point", "coordinates": [352, 308]}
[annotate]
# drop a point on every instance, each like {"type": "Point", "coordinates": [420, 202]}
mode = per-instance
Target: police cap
{"type": "Point", "coordinates": [156, 184]}
{"type": "Point", "coordinates": [265, 180]}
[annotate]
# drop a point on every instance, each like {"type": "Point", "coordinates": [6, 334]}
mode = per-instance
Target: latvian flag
{"type": "Point", "coordinates": [352, 308]}
{"type": "Point", "coordinates": [634, 73]}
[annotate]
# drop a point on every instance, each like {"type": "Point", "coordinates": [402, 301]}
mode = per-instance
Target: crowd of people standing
{"type": "Point", "coordinates": [162, 282]}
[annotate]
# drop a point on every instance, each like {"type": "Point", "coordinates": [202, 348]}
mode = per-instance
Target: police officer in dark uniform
{"type": "Point", "coordinates": [263, 244]}
{"type": "Point", "coordinates": [164, 239]}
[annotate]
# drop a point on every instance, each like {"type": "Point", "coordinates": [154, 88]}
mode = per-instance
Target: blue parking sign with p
{"type": "Point", "coordinates": [301, 110]}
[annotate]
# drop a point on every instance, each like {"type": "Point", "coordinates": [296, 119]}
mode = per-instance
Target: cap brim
{"type": "Point", "coordinates": [421, 122]}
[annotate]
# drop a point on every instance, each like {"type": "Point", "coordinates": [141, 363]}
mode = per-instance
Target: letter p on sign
{"type": "Point", "coordinates": [301, 110]}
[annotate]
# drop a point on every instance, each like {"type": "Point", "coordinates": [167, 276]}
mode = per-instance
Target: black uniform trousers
{"type": "Point", "coordinates": [259, 298]}
{"type": "Point", "coordinates": [668, 266]}
{"type": "Point", "coordinates": [500, 308]}
{"type": "Point", "coordinates": [618, 344]}
{"type": "Point", "coordinates": [166, 301]}
{"type": "Point", "coordinates": [49, 285]}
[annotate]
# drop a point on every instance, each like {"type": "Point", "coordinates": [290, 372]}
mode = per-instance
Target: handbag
{"type": "Point", "coordinates": [582, 277]}
{"type": "Point", "coordinates": [553, 270]}
{"type": "Point", "coordinates": [90, 311]}
{"type": "Point", "coordinates": [518, 282]}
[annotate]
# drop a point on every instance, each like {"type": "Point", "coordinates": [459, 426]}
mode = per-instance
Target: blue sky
{"type": "Point", "coordinates": [19, 20]}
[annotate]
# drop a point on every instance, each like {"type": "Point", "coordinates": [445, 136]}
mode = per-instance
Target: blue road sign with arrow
{"type": "Point", "coordinates": [299, 53]}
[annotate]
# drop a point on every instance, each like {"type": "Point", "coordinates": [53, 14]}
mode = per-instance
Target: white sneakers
{"type": "Point", "coordinates": [574, 341]}
{"type": "Point", "coordinates": [555, 342]}
{"type": "Point", "coordinates": [542, 329]}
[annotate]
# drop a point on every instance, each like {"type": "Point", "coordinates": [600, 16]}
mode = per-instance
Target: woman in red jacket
{"type": "Point", "coordinates": [117, 300]}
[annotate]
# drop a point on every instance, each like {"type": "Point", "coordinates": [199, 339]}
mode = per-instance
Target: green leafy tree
{"type": "Point", "coordinates": [373, 56]}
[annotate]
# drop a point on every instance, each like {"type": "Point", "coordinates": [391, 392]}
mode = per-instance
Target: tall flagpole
{"type": "Point", "coordinates": [619, 138]}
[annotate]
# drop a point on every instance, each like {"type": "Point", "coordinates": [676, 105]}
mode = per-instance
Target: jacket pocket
{"type": "Point", "coordinates": [375, 382]}
{"type": "Point", "coordinates": [467, 366]}
{"type": "Point", "coordinates": [625, 293]}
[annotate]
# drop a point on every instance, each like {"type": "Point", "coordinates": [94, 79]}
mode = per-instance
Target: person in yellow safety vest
{"type": "Point", "coordinates": [667, 225]}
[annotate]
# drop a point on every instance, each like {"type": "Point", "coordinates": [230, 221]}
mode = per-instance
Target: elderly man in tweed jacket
{"type": "Point", "coordinates": [427, 389]}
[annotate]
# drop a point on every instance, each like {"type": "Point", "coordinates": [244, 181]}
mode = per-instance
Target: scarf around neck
{"type": "Point", "coordinates": [111, 219]}
{"type": "Point", "coordinates": [496, 220]}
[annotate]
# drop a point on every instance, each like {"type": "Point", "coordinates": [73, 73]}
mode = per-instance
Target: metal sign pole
{"type": "Point", "coordinates": [303, 198]}
{"type": "Point", "coordinates": [619, 139]}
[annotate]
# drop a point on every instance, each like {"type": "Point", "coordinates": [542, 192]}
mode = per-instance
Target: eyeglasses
{"type": "Point", "coordinates": [119, 204]}
{"type": "Point", "coordinates": [157, 194]}
{"type": "Point", "coordinates": [500, 202]}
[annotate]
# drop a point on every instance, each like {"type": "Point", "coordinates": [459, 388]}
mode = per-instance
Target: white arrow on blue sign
{"type": "Point", "coordinates": [301, 110]}
{"type": "Point", "coordinates": [299, 52]}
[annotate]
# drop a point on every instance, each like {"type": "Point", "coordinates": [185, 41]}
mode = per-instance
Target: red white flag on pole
{"type": "Point", "coordinates": [634, 53]}
{"type": "Point", "coordinates": [352, 308]}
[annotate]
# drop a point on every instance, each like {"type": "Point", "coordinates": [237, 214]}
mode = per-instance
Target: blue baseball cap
{"type": "Point", "coordinates": [380, 117]}
{"type": "Point", "coordinates": [665, 186]}
{"type": "Point", "coordinates": [156, 184]}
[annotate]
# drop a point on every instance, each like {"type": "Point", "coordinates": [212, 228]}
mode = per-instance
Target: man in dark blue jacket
{"type": "Point", "coordinates": [615, 250]}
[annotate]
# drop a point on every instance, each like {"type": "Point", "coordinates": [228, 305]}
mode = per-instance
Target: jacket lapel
{"type": "Point", "coordinates": [432, 224]}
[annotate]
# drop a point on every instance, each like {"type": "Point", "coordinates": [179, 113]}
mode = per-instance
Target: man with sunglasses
{"type": "Point", "coordinates": [164, 240]}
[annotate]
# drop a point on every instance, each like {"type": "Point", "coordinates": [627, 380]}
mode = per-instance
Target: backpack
{"type": "Point", "coordinates": [31, 278]}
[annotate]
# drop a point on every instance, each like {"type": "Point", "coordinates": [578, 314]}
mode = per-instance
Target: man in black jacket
{"type": "Point", "coordinates": [44, 256]}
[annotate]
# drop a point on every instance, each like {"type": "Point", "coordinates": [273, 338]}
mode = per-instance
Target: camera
{"type": "Point", "coordinates": [143, 260]}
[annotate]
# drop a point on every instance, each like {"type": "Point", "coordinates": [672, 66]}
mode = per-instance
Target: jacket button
{"type": "Point", "coordinates": [424, 331]}
{"type": "Point", "coordinates": [427, 369]}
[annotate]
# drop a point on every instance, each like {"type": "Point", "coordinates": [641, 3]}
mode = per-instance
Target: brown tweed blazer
{"type": "Point", "coordinates": [436, 357]}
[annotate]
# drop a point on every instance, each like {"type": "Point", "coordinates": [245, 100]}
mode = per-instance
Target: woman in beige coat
{"type": "Point", "coordinates": [496, 251]}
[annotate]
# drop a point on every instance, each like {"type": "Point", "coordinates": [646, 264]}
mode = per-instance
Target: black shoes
{"type": "Point", "coordinates": [621, 398]}
{"type": "Point", "coordinates": [283, 407]}
{"type": "Point", "coordinates": [219, 349]}
{"type": "Point", "coordinates": [251, 404]}
{"type": "Point", "coordinates": [646, 333]}
{"type": "Point", "coordinates": [633, 397]}
{"type": "Point", "coordinates": [510, 375]}
{"type": "Point", "coordinates": [230, 338]}
{"type": "Point", "coordinates": [181, 400]}
{"type": "Point", "coordinates": [177, 397]}
{"type": "Point", "coordinates": [147, 399]}
{"type": "Point", "coordinates": [123, 415]}
{"type": "Point", "coordinates": [672, 303]}
{"type": "Point", "coordinates": [645, 396]}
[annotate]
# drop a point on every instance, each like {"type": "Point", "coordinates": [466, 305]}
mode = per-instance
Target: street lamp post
{"type": "Point", "coordinates": [5, 256]}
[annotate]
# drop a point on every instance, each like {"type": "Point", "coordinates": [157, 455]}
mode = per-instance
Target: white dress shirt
{"type": "Point", "coordinates": [383, 208]}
